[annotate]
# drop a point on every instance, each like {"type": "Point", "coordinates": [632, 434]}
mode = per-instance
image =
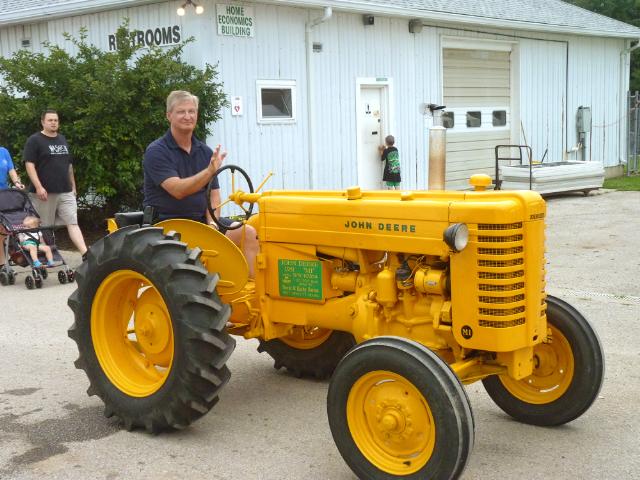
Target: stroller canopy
{"type": "Point", "coordinates": [15, 206]}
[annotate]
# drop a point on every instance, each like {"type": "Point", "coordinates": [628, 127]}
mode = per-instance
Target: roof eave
{"type": "Point", "coordinates": [426, 16]}
{"type": "Point", "coordinates": [83, 7]}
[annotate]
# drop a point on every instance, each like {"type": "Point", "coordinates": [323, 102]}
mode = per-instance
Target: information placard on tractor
{"type": "Point", "coordinates": [300, 278]}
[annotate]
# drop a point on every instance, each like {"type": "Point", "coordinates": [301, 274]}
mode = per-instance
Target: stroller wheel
{"type": "Point", "coordinates": [44, 273]}
{"type": "Point", "coordinates": [38, 282]}
{"type": "Point", "coordinates": [62, 277]}
{"type": "Point", "coordinates": [71, 276]}
{"type": "Point", "coordinates": [12, 278]}
{"type": "Point", "coordinates": [4, 278]}
{"type": "Point", "coordinates": [29, 282]}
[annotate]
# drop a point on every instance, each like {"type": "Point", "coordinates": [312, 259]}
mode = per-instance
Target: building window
{"type": "Point", "coordinates": [499, 118]}
{"type": "Point", "coordinates": [448, 120]}
{"type": "Point", "coordinates": [276, 101]}
{"type": "Point", "coordinates": [474, 119]}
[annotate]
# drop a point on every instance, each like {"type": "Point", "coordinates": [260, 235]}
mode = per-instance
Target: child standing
{"type": "Point", "coordinates": [391, 157]}
{"type": "Point", "coordinates": [33, 242]}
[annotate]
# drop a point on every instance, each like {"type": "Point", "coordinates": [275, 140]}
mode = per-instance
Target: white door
{"type": "Point", "coordinates": [371, 137]}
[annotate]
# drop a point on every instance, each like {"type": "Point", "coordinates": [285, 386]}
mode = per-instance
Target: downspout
{"type": "Point", "coordinates": [310, 25]}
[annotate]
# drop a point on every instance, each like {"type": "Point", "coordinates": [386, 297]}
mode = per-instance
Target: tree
{"type": "Point", "coordinates": [111, 106]}
{"type": "Point", "coordinates": [627, 11]}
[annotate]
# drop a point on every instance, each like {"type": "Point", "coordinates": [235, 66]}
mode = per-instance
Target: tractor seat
{"type": "Point", "coordinates": [124, 219]}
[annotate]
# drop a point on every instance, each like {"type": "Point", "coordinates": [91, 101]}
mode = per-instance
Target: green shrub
{"type": "Point", "coordinates": [111, 106]}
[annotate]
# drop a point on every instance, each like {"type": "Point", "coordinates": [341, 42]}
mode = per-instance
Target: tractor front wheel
{"type": "Point", "coordinates": [309, 351]}
{"type": "Point", "coordinates": [397, 411]}
{"type": "Point", "coordinates": [567, 374]}
{"type": "Point", "coordinates": [150, 329]}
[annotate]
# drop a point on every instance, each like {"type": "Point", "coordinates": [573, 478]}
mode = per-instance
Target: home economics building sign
{"type": "Point", "coordinates": [235, 20]}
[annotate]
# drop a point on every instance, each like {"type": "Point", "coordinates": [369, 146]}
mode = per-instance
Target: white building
{"type": "Point", "coordinates": [315, 86]}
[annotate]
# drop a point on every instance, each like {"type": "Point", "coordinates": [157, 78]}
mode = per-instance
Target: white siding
{"type": "Point", "coordinates": [595, 78]}
{"type": "Point", "coordinates": [384, 50]}
{"type": "Point", "coordinates": [543, 98]}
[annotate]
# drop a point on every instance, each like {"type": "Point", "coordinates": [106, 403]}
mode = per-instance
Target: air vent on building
{"type": "Point", "coordinates": [26, 42]}
{"type": "Point", "coordinates": [317, 47]}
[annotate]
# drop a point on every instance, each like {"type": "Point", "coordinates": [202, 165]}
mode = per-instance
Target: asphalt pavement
{"type": "Point", "coordinates": [271, 426]}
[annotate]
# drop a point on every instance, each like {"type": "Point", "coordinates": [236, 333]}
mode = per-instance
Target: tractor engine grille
{"type": "Point", "coordinates": [501, 275]}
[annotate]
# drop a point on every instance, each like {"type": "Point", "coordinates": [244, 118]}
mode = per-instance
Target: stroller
{"type": "Point", "coordinates": [15, 206]}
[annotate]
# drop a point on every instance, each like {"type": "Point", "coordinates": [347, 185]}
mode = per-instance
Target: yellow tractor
{"type": "Point", "coordinates": [400, 297]}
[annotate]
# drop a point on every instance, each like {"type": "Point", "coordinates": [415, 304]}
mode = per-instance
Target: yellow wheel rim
{"type": "Point", "coordinates": [391, 422]}
{"type": "Point", "coordinates": [553, 369]}
{"type": "Point", "coordinates": [132, 333]}
{"type": "Point", "coordinates": [307, 338]}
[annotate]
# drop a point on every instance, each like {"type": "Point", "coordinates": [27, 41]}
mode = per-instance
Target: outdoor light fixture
{"type": "Point", "coordinates": [182, 9]}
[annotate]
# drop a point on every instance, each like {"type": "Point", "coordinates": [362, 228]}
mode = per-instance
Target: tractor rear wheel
{"type": "Point", "coordinates": [397, 411]}
{"type": "Point", "coordinates": [309, 351]}
{"type": "Point", "coordinates": [150, 329]}
{"type": "Point", "coordinates": [567, 375]}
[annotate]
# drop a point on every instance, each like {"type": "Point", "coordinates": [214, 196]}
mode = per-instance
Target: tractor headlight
{"type": "Point", "coordinates": [457, 236]}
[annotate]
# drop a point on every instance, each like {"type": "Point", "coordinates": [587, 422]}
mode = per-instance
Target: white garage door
{"type": "Point", "coordinates": [477, 93]}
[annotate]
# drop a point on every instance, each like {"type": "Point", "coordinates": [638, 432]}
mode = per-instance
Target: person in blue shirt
{"type": "Point", "coordinates": [177, 169]}
{"type": "Point", "coordinates": [7, 169]}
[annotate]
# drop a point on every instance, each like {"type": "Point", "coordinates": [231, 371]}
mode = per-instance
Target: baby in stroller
{"type": "Point", "coordinates": [33, 242]}
{"type": "Point", "coordinates": [27, 244]}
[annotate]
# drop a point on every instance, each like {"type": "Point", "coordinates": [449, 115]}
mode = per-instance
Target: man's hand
{"type": "Point", "coordinates": [42, 193]}
{"type": "Point", "coordinates": [216, 160]}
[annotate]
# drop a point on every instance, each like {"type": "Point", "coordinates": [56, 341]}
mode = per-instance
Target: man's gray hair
{"type": "Point", "coordinates": [179, 96]}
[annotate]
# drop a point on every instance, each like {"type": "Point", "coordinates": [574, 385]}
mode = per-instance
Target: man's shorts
{"type": "Point", "coordinates": [58, 209]}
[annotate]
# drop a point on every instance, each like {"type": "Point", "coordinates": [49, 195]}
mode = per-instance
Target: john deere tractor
{"type": "Point", "coordinates": [399, 297]}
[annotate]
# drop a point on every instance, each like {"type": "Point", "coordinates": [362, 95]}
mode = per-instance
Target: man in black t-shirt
{"type": "Point", "coordinates": [49, 165]}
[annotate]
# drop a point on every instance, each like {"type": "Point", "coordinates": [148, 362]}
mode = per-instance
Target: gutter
{"type": "Point", "coordinates": [83, 7]}
{"type": "Point", "coordinates": [310, 25]}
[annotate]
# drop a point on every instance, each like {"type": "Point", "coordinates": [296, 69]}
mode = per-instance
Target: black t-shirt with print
{"type": "Point", "coordinates": [51, 157]}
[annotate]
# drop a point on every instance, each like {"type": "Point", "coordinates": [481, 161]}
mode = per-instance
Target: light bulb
{"type": "Point", "coordinates": [199, 9]}
{"type": "Point", "coordinates": [180, 11]}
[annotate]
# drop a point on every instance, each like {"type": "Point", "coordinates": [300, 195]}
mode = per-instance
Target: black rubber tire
{"type": "Point", "coordinates": [445, 395]}
{"type": "Point", "coordinates": [44, 273]}
{"type": "Point", "coordinates": [585, 384]}
{"type": "Point", "coordinates": [62, 277]}
{"type": "Point", "coordinates": [4, 279]}
{"type": "Point", "coordinates": [70, 276]}
{"type": "Point", "coordinates": [12, 278]}
{"type": "Point", "coordinates": [29, 282]}
{"type": "Point", "coordinates": [202, 345]}
{"type": "Point", "coordinates": [319, 362]}
{"type": "Point", "coordinates": [38, 282]}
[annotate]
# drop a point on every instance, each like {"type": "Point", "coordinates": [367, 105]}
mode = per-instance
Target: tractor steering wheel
{"type": "Point", "coordinates": [212, 208]}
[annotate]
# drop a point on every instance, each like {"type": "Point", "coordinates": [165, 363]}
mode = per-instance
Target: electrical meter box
{"type": "Point", "coordinates": [583, 119]}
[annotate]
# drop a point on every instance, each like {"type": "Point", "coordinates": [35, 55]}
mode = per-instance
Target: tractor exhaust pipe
{"type": "Point", "coordinates": [437, 157]}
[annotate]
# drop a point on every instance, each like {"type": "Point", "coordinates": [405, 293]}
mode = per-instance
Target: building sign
{"type": "Point", "coordinates": [159, 36]}
{"type": "Point", "coordinates": [235, 20]}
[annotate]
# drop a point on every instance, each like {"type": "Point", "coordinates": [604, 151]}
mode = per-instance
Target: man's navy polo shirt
{"type": "Point", "coordinates": [165, 159]}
